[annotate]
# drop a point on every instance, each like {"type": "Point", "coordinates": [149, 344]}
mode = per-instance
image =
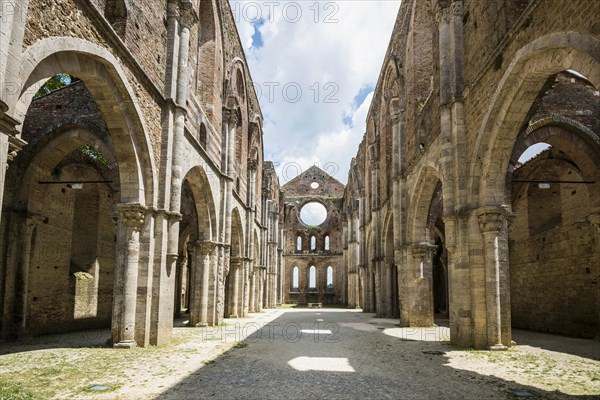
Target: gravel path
{"type": "Point", "coordinates": [299, 354]}
{"type": "Point", "coordinates": [340, 355]}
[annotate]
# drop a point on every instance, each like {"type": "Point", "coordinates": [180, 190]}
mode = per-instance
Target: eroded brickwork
{"type": "Point", "coordinates": [317, 246]}
{"type": "Point", "coordinates": [145, 178]}
{"type": "Point", "coordinates": [464, 90]}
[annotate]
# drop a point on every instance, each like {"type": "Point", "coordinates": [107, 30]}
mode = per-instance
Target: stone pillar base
{"type": "Point", "coordinates": [126, 344]}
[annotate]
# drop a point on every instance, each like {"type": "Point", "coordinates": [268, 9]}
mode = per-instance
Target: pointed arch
{"type": "Point", "coordinates": [420, 202]}
{"type": "Point", "coordinates": [109, 86]}
{"type": "Point", "coordinates": [516, 92]}
{"type": "Point", "coordinates": [204, 203]}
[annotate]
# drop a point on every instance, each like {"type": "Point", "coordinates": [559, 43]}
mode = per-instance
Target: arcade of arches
{"type": "Point", "coordinates": [136, 190]}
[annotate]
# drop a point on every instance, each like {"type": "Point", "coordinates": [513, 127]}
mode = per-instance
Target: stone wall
{"type": "Point", "coordinates": [463, 90]}
{"type": "Point", "coordinates": [314, 185]}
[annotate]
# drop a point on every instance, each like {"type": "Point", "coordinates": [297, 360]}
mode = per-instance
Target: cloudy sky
{"type": "Point", "coordinates": [314, 65]}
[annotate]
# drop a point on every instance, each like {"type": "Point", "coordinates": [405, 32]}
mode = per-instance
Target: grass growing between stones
{"type": "Point", "coordinates": [555, 372]}
{"type": "Point", "coordinates": [28, 372]}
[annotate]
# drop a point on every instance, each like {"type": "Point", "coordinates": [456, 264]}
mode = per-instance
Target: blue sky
{"type": "Point", "coordinates": [315, 64]}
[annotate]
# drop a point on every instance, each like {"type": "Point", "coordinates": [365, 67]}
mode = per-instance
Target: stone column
{"type": "Point", "coordinates": [493, 226]}
{"type": "Point", "coordinates": [235, 268]}
{"type": "Point", "coordinates": [222, 271]}
{"type": "Point", "coordinates": [10, 144]}
{"type": "Point", "coordinates": [388, 265]}
{"type": "Point", "coordinates": [200, 286]}
{"type": "Point", "coordinates": [420, 286]}
{"type": "Point", "coordinates": [594, 220]}
{"type": "Point", "coordinates": [22, 281]}
{"type": "Point", "coordinates": [206, 250]}
{"type": "Point", "coordinates": [253, 288]}
{"type": "Point", "coordinates": [131, 220]}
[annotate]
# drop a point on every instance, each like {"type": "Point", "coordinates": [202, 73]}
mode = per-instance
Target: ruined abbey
{"type": "Point", "coordinates": [134, 188]}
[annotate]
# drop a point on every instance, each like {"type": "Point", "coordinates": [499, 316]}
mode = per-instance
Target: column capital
{"type": "Point", "coordinates": [133, 215]}
{"type": "Point", "coordinates": [594, 219]}
{"type": "Point", "coordinates": [420, 249]}
{"type": "Point", "coordinates": [35, 219]}
{"type": "Point", "coordinates": [230, 115]}
{"type": "Point", "coordinates": [252, 164]}
{"type": "Point", "coordinates": [397, 114]}
{"type": "Point", "coordinates": [206, 247]}
{"type": "Point", "coordinates": [235, 261]}
{"type": "Point", "coordinates": [373, 153]}
{"type": "Point", "coordinates": [491, 219]}
{"type": "Point", "coordinates": [188, 16]}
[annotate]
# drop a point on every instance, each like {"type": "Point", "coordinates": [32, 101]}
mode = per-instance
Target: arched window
{"type": "Point", "coordinates": [203, 136]}
{"type": "Point", "coordinates": [330, 277]}
{"type": "Point", "coordinates": [115, 12]}
{"type": "Point", "coordinates": [239, 137]}
{"type": "Point", "coordinates": [295, 283]}
{"type": "Point", "coordinates": [313, 243]}
{"type": "Point", "coordinates": [326, 243]}
{"type": "Point", "coordinates": [312, 277]}
{"type": "Point", "coordinates": [299, 243]}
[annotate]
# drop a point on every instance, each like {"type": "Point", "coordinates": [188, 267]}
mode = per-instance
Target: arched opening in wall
{"type": "Point", "coordinates": [427, 256]}
{"type": "Point", "coordinates": [439, 257]}
{"type": "Point", "coordinates": [295, 279]}
{"type": "Point", "coordinates": [419, 77]}
{"type": "Point", "coordinates": [61, 190]}
{"type": "Point", "coordinates": [88, 133]}
{"type": "Point", "coordinates": [239, 138]}
{"type": "Point", "coordinates": [234, 281]}
{"type": "Point", "coordinates": [326, 244]}
{"type": "Point", "coordinates": [240, 85]}
{"type": "Point", "coordinates": [391, 275]}
{"type": "Point", "coordinates": [532, 95]}
{"type": "Point", "coordinates": [313, 243]}
{"type": "Point", "coordinates": [188, 237]}
{"type": "Point", "coordinates": [299, 243]}
{"type": "Point", "coordinates": [313, 214]}
{"type": "Point", "coordinates": [553, 244]}
{"type": "Point", "coordinates": [209, 68]}
{"type": "Point", "coordinates": [329, 278]}
{"type": "Point", "coordinates": [312, 278]}
{"type": "Point", "coordinates": [194, 276]}
{"type": "Point", "coordinates": [203, 136]}
{"type": "Point", "coordinates": [115, 12]}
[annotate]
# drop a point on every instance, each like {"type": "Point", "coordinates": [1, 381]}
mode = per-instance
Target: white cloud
{"type": "Point", "coordinates": [327, 61]}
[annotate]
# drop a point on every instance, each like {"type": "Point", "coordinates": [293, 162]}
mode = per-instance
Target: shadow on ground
{"type": "Point", "coordinates": [93, 338]}
{"type": "Point", "coordinates": [333, 354]}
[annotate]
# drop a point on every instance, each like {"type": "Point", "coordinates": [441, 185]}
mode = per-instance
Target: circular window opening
{"type": "Point", "coordinates": [313, 214]}
{"type": "Point", "coordinates": [314, 185]}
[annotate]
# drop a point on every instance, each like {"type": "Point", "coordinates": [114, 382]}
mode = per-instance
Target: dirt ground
{"type": "Point", "coordinates": [293, 353]}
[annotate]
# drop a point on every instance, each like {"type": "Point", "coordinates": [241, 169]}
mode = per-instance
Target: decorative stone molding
{"type": "Point", "coordinates": [594, 219]}
{"type": "Point", "coordinates": [491, 219]}
{"type": "Point", "coordinates": [252, 164]}
{"type": "Point", "coordinates": [397, 110]}
{"type": "Point", "coordinates": [230, 116]}
{"type": "Point", "coordinates": [206, 247]}
{"type": "Point", "coordinates": [188, 16]}
{"type": "Point", "coordinates": [133, 215]}
{"type": "Point", "coordinates": [373, 153]}
{"type": "Point", "coordinates": [419, 250]}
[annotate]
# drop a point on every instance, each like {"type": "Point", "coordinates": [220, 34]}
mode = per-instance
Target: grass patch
{"type": "Point", "coordinates": [16, 391]}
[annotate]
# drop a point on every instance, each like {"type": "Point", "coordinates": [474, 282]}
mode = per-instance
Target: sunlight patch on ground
{"type": "Point", "coordinates": [328, 364]}
{"type": "Point", "coordinates": [317, 331]}
{"type": "Point", "coordinates": [432, 334]}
